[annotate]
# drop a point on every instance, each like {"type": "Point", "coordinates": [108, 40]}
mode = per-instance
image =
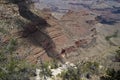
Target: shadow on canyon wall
{"type": "Point", "coordinates": [104, 20]}
{"type": "Point", "coordinates": [34, 31]}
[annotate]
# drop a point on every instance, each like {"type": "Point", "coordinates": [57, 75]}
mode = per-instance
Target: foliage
{"type": "Point", "coordinates": [111, 75]}
{"type": "Point", "coordinates": [46, 66]}
{"type": "Point", "coordinates": [12, 68]}
{"type": "Point", "coordinates": [11, 45]}
{"type": "Point", "coordinates": [2, 30]}
{"type": "Point", "coordinates": [75, 73]}
{"type": "Point", "coordinates": [90, 67]}
{"type": "Point", "coordinates": [2, 57]}
{"type": "Point", "coordinates": [53, 64]}
{"type": "Point", "coordinates": [117, 56]}
{"type": "Point", "coordinates": [71, 74]}
{"type": "Point", "coordinates": [45, 70]}
{"type": "Point", "coordinates": [112, 36]}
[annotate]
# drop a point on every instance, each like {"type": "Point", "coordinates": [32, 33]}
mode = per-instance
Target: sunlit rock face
{"type": "Point", "coordinates": [74, 30]}
{"type": "Point", "coordinates": [77, 34]}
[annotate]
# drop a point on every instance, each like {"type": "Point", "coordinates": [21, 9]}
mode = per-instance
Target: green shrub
{"type": "Point", "coordinates": [71, 74]}
{"type": "Point", "coordinates": [117, 55]}
{"type": "Point", "coordinates": [53, 64]}
{"type": "Point", "coordinates": [15, 70]}
{"type": "Point", "coordinates": [12, 68]}
{"type": "Point", "coordinates": [90, 67]}
{"type": "Point", "coordinates": [75, 73]}
{"type": "Point", "coordinates": [45, 69]}
{"type": "Point", "coordinates": [2, 57]}
{"type": "Point", "coordinates": [3, 31]}
{"type": "Point", "coordinates": [112, 36]}
{"type": "Point", "coordinates": [111, 74]}
{"type": "Point", "coordinates": [11, 46]}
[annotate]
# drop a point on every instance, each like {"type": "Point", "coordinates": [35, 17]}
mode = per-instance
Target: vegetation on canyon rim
{"type": "Point", "coordinates": [14, 67]}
